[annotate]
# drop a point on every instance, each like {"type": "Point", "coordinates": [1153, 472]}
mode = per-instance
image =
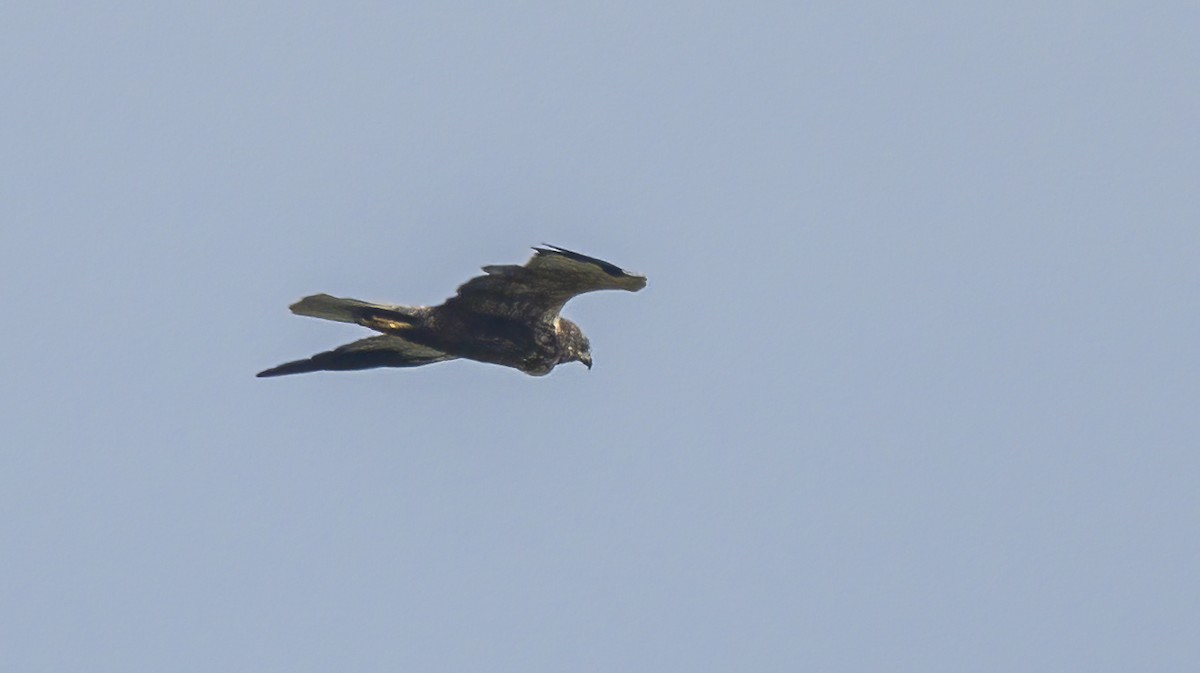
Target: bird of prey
{"type": "Point", "coordinates": [509, 316]}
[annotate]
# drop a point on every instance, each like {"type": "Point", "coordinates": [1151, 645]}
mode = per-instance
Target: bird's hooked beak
{"type": "Point", "coordinates": [586, 359]}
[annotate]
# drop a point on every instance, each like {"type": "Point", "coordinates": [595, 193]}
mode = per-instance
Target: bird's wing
{"type": "Point", "coordinates": [539, 289]}
{"type": "Point", "coordinates": [369, 353]}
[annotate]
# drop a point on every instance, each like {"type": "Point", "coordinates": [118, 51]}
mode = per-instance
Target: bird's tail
{"type": "Point", "coordinates": [327, 307]}
{"type": "Point", "coordinates": [345, 310]}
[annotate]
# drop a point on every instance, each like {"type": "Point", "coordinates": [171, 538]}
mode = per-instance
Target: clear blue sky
{"type": "Point", "coordinates": [913, 387]}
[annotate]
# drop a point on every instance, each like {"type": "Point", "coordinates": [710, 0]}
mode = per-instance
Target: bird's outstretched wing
{"type": "Point", "coordinates": [538, 290]}
{"type": "Point", "coordinates": [369, 353]}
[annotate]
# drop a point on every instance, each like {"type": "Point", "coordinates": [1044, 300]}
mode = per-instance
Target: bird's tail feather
{"type": "Point", "coordinates": [327, 307]}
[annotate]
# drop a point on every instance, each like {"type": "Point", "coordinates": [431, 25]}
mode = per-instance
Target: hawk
{"type": "Point", "coordinates": [509, 316]}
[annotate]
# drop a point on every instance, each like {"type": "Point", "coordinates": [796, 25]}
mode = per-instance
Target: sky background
{"type": "Point", "coordinates": [913, 386]}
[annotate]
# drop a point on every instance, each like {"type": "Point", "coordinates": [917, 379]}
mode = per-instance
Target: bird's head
{"type": "Point", "coordinates": [575, 346]}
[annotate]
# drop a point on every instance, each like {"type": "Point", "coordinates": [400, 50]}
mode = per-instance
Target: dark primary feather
{"type": "Point", "coordinates": [608, 267]}
{"type": "Point", "coordinates": [378, 351]}
{"type": "Point", "coordinates": [540, 288]}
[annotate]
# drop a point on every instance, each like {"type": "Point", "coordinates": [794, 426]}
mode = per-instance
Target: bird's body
{"type": "Point", "coordinates": [510, 317]}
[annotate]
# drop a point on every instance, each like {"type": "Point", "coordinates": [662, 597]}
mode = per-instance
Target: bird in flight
{"type": "Point", "coordinates": [509, 316]}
